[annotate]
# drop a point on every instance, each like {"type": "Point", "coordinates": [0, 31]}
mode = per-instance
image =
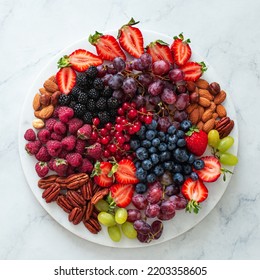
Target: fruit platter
{"type": "Point", "coordinates": [127, 138]}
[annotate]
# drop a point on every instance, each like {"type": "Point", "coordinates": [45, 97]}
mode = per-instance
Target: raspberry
{"type": "Point", "coordinates": [86, 166]}
{"type": "Point", "coordinates": [84, 132]}
{"type": "Point", "coordinates": [30, 135]}
{"type": "Point", "coordinates": [41, 168]}
{"type": "Point", "coordinates": [55, 136]}
{"type": "Point", "coordinates": [63, 154]}
{"type": "Point", "coordinates": [54, 147]}
{"type": "Point", "coordinates": [50, 163]}
{"type": "Point", "coordinates": [65, 114]}
{"type": "Point", "coordinates": [94, 151]}
{"type": "Point", "coordinates": [70, 170]}
{"type": "Point", "coordinates": [50, 123]}
{"type": "Point", "coordinates": [80, 146]}
{"type": "Point", "coordinates": [56, 112]}
{"type": "Point", "coordinates": [74, 159]}
{"type": "Point", "coordinates": [43, 154]}
{"type": "Point", "coordinates": [33, 147]}
{"type": "Point", "coordinates": [44, 135]}
{"type": "Point", "coordinates": [60, 128]}
{"type": "Point", "coordinates": [69, 142]}
{"type": "Point", "coordinates": [74, 124]}
{"type": "Point", "coordinates": [60, 166]}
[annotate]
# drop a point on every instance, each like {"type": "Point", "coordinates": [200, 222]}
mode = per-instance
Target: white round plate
{"type": "Point", "coordinates": [182, 221]}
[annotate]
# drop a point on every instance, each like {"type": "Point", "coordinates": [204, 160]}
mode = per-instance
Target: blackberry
{"type": "Point", "coordinates": [79, 110]}
{"type": "Point", "coordinates": [113, 112]}
{"type": "Point", "coordinates": [107, 92]}
{"type": "Point", "coordinates": [87, 117]}
{"type": "Point", "coordinates": [104, 117]}
{"type": "Point", "coordinates": [98, 84]}
{"type": "Point", "coordinates": [93, 93]}
{"type": "Point", "coordinates": [64, 99]}
{"type": "Point", "coordinates": [72, 104]}
{"type": "Point", "coordinates": [101, 103]}
{"type": "Point", "coordinates": [81, 80]}
{"type": "Point", "coordinates": [83, 98]}
{"type": "Point", "coordinates": [91, 105]}
{"type": "Point", "coordinates": [92, 72]}
{"type": "Point", "coordinates": [75, 92]}
{"type": "Point", "coordinates": [89, 83]}
{"type": "Point", "coordinates": [113, 103]}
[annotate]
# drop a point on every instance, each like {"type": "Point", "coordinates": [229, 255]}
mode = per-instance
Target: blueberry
{"type": "Point", "coordinates": [181, 155]}
{"type": "Point", "coordinates": [162, 147]}
{"type": "Point", "coordinates": [168, 165]}
{"type": "Point", "coordinates": [178, 179]}
{"type": "Point", "coordinates": [141, 174]}
{"type": "Point", "coordinates": [151, 178]}
{"type": "Point", "coordinates": [187, 169]}
{"type": "Point", "coordinates": [186, 125]}
{"type": "Point", "coordinates": [161, 135]}
{"type": "Point", "coordinates": [171, 146]}
{"type": "Point", "coordinates": [140, 188]}
{"type": "Point", "coordinates": [150, 134]}
{"type": "Point", "coordinates": [146, 143]}
{"type": "Point", "coordinates": [138, 164]}
{"type": "Point", "coordinates": [135, 144]}
{"type": "Point", "coordinates": [191, 158]}
{"type": "Point", "coordinates": [180, 134]}
{"type": "Point", "coordinates": [181, 143]}
{"type": "Point", "coordinates": [155, 158]}
{"type": "Point", "coordinates": [141, 153]}
{"type": "Point", "coordinates": [164, 156]}
{"type": "Point", "coordinates": [194, 176]}
{"type": "Point", "coordinates": [171, 130]}
{"type": "Point", "coordinates": [152, 150]}
{"type": "Point", "coordinates": [158, 170]}
{"type": "Point", "coordinates": [156, 142]}
{"type": "Point", "coordinates": [176, 168]}
{"type": "Point", "coordinates": [152, 125]}
{"type": "Point", "coordinates": [198, 164]}
{"type": "Point", "coordinates": [147, 164]}
{"type": "Point", "coordinates": [141, 132]}
{"type": "Point", "coordinates": [173, 139]}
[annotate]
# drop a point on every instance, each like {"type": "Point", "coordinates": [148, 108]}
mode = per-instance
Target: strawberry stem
{"type": "Point", "coordinates": [64, 62]}
{"type": "Point", "coordinates": [94, 38]}
{"type": "Point", "coordinates": [193, 206]}
{"type": "Point", "coordinates": [203, 66]}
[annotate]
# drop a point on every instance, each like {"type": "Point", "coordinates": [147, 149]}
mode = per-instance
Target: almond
{"type": "Point", "coordinates": [212, 106]}
{"type": "Point", "coordinates": [207, 115]}
{"type": "Point", "coordinates": [209, 125]}
{"type": "Point", "coordinates": [220, 97]}
{"type": "Point", "coordinates": [206, 94]}
{"type": "Point", "coordinates": [45, 99]}
{"type": "Point", "coordinates": [201, 83]}
{"type": "Point", "coordinates": [221, 111]}
{"type": "Point", "coordinates": [46, 112]}
{"type": "Point", "coordinates": [191, 107]}
{"type": "Point", "coordinates": [38, 123]}
{"type": "Point", "coordinates": [50, 86]}
{"type": "Point", "coordinates": [200, 125]}
{"type": "Point", "coordinates": [201, 111]}
{"type": "Point", "coordinates": [204, 102]}
{"type": "Point", "coordinates": [36, 102]}
{"type": "Point", "coordinates": [53, 78]}
{"type": "Point", "coordinates": [190, 86]}
{"type": "Point", "coordinates": [194, 116]}
{"type": "Point", "coordinates": [44, 91]}
{"type": "Point", "coordinates": [215, 116]}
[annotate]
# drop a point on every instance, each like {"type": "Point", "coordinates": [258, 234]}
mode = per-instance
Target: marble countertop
{"type": "Point", "coordinates": [226, 33]}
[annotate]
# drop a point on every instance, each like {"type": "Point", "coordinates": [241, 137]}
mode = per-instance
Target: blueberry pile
{"type": "Point", "coordinates": [90, 98]}
{"type": "Point", "coordinates": [158, 152]}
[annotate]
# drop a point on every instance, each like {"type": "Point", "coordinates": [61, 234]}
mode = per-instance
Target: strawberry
{"type": "Point", "coordinates": [107, 46]}
{"type": "Point", "coordinates": [131, 39]}
{"type": "Point", "coordinates": [159, 50]}
{"type": "Point", "coordinates": [211, 170]}
{"type": "Point", "coordinates": [193, 70]}
{"type": "Point", "coordinates": [196, 141]}
{"type": "Point", "coordinates": [181, 50]}
{"type": "Point", "coordinates": [124, 172]}
{"type": "Point", "coordinates": [66, 79]}
{"type": "Point", "coordinates": [122, 194]}
{"type": "Point", "coordinates": [101, 174]}
{"type": "Point", "coordinates": [195, 192]}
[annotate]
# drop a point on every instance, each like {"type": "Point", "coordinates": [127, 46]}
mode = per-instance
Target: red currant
{"type": "Point", "coordinates": [119, 127]}
{"type": "Point", "coordinates": [121, 111]}
{"type": "Point", "coordinates": [112, 148]}
{"type": "Point", "coordinates": [104, 140]}
{"type": "Point", "coordinates": [121, 139]}
{"type": "Point", "coordinates": [96, 121]}
{"type": "Point", "coordinates": [94, 135]}
{"type": "Point", "coordinates": [103, 131]}
{"type": "Point", "coordinates": [132, 114]}
{"type": "Point", "coordinates": [106, 154]}
{"type": "Point", "coordinates": [126, 106]}
{"type": "Point", "coordinates": [126, 147]}
{"type": "Point", "coordinates": [108, 126]}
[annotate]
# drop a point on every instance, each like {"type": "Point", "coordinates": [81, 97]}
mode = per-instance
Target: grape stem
{"type": "Point", "coordinates": [224, 171]}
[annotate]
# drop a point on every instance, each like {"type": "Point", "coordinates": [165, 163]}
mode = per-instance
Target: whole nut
{"type": "Point", "coordinates": [220, 97]}
{"type": "Point", "coordinates": [46, 112]}
{"type": "Point", "coordinates": [204, 102]}
{"type": "Point", "coordinates": [221, 111]}
{"type": "Point", "coordinates": [190, 86]}
{"type": "Point", "coordinates": [50, 86]}
{"type": "Point", "coordinates": [38, 123]}
{"type": "Point", "coordinates": [209, 125]}
{"type": "Point", "coordinates": [214, 88]}
{"type": "Point", "coordinates": [194, 116]}
{"type": "Point", "coordinates": [207, 115]}
{"type": "Point", "coordinates": [202, 84]}
{"type": "Point", "coordinates": [45, 99]}
{"type": "Point", "coordinates": [36, 102]}
{"type": "Point", "coordinates": [206, 94]}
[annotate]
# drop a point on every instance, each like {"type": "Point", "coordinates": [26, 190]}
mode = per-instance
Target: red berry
{"type": "Point", "coordinates": [119, 127]}
{"type": "Point", "coordinates": [119, 119]}
{"type": "Point", "coordinates": [103, 131]}
{"type": "Point", "coordinates": [132, 114]}
{"type": "Point", "coordinates": [106, 154]}
{"type": "Point", "coordinates": [148, 119]}
{"type": "Point", "coordinates": [143, 110]}
{"type": "Point", "coordinates": [121, 111]}
{"type": "Point", "coordinates": [104, 141]}
{"type": "Point", "coordinates": [125, 106]}
{"type": "Point", "coordinates": [121, 139]}
{"type": "Point", "coordinates": [96, 121]}
{"type": "Point", "coordinates": [112, 148]}
{"type": "Point", "coordinates": [108, 126]}
{"type": "Point", "coordinates": [133, 104]}
{"type": "Point", "coordinates": [94, 135]}
{"type": "Point", "coordinates": [131, 130]}
{"type": "Point", "coordinates": [126, 147]}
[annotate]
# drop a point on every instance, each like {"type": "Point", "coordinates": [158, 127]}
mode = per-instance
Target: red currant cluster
{"type": "Point", "coordinates": [115, 138]}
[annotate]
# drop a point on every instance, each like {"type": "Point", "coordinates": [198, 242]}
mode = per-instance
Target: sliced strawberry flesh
{"type": "Point", "coordinates": [181, 51]}
{"type": "Point", "coordinates": [211, 170]}
{"type": "Point", "coordinates": [125, 172]}
{"type": "Point", "coordinates": [122, 194]}
{"type": "Point", "coordinates": [192, 71]}
{"type": "Point", "coordinates": [66, 79]}
{"type": "Point", "coordinates": [160, 51]}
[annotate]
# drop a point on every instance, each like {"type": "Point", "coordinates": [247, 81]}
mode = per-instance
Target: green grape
{"type": "Point", "coordinates": [114, 233]}
{"type": "Point", "coordinates": [225, 143]}
{"type": "Point", "coordinates": [121, 215]}
{"type": "Point", "coordinates": [228, 159]}
{"type": "Point", "coordinates": [102, 205]}
{"type": "Point", "coordinates": [106, 219]}
{"type": "Point", "coordinates": [213, 138]}
{"type": "Point", "coordinates": [128, 230]}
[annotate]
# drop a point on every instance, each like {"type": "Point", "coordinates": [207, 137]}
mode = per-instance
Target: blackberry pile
{"type": "Point", "coordinates": [90, 98]}
{"type": "Point", "coordinates": [159, 152]}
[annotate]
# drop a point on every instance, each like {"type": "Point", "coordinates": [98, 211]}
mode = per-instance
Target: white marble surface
{"type": "Point", "coordinates": [226, 33]}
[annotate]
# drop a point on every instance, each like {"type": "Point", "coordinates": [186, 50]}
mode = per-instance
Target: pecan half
{"type": "Point", "coordinates": [74, 181]}
{"type": "Point", "coordinates": [51, 193]}
{"type": "Point", "coordinates": [76, 215]}
{"type": "Point", "coordinates": [63, 202]}
{"type": "Point", "coordinates": [87, 190]}
{"type": "Point", "coordinates": [96, 188]}
{"type": "Point", "coordinates": [224, 126]}
{"type": "Point", "coordinates": [99, 195]}
{"type": "Point", "coordinates": [46, 182]}
{"type": "Point", "coordinates": [89, 211]}
{"type": "Point", "coordinates": [92, 225]}
{"type": "Point", "coordinates": [75, 199]}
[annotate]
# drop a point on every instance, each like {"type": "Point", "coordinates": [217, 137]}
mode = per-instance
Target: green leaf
{"type": "Point", "coordinates": [203, 66]}
{"type": "Point", "coordinates": [64, 62]}
{"type": "Point", "coordinates": [161, 42]}
{"type": "Point", "coordinates": [94, 38]}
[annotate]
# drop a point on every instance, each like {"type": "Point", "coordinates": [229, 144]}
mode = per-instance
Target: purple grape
{"type": "Point", "coordinates": [181, 89]}
{"type": "Point", "coordinates": [179, 201]}
{"type": "Point", "coordinates": [111, 69]}
{"type": "Point", "coordinates": [182, 101]}
{"type": "Point", "coordinates": [119, 64]}
{"type": "Point", "coordinates": [166, 179]}
{"type": "Point", "coordinates": [168, 96]}
{"type": "Point", "coordinates": [142, 227]}
{"type": "Point", "coordinates": [152, 210]}
{"type": "Point", "coordinates": [144, 238]}
{"type": "Point", "coordinates": [167, 207]}
{"type": "Point", "coordinates": [160, 67]}
{"type": "Point", "coordinates": [146, 60]}
{"type": "Point", "coordinates": [154, 100]}
{"type": "Point", "coordinates": [140, 201]}
{"type": "Point", "coordinates": [156, 88]}
{"type": "Point", "coordinates": [140, 101]}
{"type": "Point", "coordinates": [133, 215]}
{"type": "Point", "coordinates": [165, 216]}
{"type": "Point", "coordinates": [194, 97]}
{"type": "Point", "coordinates": [154, 194]}
{"type": "Point", "coordinates": [145, 79]}
{"type": "Point", "coordinates": [157, 229]}
{"type": "Point", "coordinates": [172, 190]}
{"type": "Point", "coordinates": [170, 85]}
{"type": "Point", "coordinates": [129, 86]}
{"type": "Point", "coordinates": [176, 75]}
{"type": "Point", "coordinates": [163, 123]}
{"type": "Point", "coordinates": [106, 78]}
{"type": "Point", "coordinates": [137, 64]}
{"type": "Point", "coordinates": [101, 70]}
{"type": "Point", "coordinates": [116, 81]}
{"type": "Point", "coordinates": [118, 94]}
{"type": "Point", "coordinates": [180, 116]}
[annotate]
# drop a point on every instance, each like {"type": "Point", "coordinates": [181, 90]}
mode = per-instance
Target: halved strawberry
{"type": "Point", "coordinates": [107, 46]}
{"type": "Point", "coordinates": [66, 79]}
{"type": "Point", "coordinates": [125, 171]}
{"type": "Point", "coordinates": [131, 39]}
{"type": "Point", "coordinates": [195, 192]}
{"type": "Point", "coordinates": [122, 194]}
{"type": "Point", "coordinates": [181, 50]}
{"type": "Point", "coordinates": [211, 170]}
{"type": "Point", "coordinates": [193, 70]}
{"type": "Point", "coordinates": [159, 50]}
{"type": "Point", "coordinates": [100, 174]}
